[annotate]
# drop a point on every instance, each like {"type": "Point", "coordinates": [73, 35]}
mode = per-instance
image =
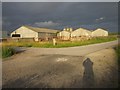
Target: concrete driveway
{"type": "Point", "coordinates": [92, 66]}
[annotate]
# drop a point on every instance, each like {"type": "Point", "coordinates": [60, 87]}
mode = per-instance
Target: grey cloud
{"type": "Point", "coordinates": [110, 26]}
{"type": "Point", "coordinates": [101, 19]}
{"type": "Point", "coordinates": [46, 24]}
{"type": "Point", "coordinates": [66, 13]}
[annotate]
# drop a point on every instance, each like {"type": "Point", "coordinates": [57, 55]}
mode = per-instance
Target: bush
{"type": "Point", "coordinates": [7, 51]}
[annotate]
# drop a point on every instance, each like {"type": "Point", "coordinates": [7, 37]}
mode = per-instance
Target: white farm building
{"type": "Point", "coordinates": [34, 33]}
{"type": "Point", "coordinates": [64, 35]}
{"type": "Point", "coordinates": [99, 32]}
{"type": "Point", "coordinates": [81, 32]}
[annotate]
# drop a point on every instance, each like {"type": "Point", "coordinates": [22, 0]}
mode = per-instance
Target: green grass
{"type": "Point", "coordinates": [60, 44]}
{"type": "Point", "coordinates": [118, 53]}
{"type": "Point", "coordinates": [7, 51]}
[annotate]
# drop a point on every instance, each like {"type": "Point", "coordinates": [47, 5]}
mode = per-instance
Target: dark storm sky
{"type": "Point", "coordinates": [60, 14]}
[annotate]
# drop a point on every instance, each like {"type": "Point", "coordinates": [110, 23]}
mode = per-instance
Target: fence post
{"type": "Point", "coordinates": [54, 41]}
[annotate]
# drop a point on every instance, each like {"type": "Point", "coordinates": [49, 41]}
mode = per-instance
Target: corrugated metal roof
{"type": "Point", "coordinates": [100, 29]}
{"type": "Point", "coordinates": [83, 29]}
{"type": "Point", "coordinates": [42, 29]}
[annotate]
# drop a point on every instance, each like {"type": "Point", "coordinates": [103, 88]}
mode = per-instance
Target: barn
{"type": "Point", "coordinates": [81, 32]}
{"type": "Point", "coordinates": [35, 33]}
{"type": "Point", "coordinates": [64, 35]}
{"type": "Point", "coordinates": [99, 32]}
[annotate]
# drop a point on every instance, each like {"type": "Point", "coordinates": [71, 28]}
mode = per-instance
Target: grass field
{"type": "Point", "coordinates": [60, 44]}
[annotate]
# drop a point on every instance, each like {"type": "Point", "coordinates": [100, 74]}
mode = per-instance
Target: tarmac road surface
{"type": "Point", "coordinates": [74, 51]}
{"type": "Point", "coordinates": [91, 66]}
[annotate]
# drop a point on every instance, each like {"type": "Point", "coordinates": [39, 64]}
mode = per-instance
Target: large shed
{"type": "Point", "coordinates": [80, 32]}
{"type": "Point", "coordinates": [64, 35]}
{"type": "Point", "coordinates": [34, 33]}
{"type": "Point", "coordinates": [99, 32]}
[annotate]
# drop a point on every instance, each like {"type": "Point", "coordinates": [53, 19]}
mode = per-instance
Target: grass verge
{"type": "Point", "coordinates": [7, 51]}
{"type": "Point", "coordinates": [118, 54]}
{"type": "Point", "coordinates": [60, 44]}
{"type": "Point", "coordinates": [7, 47]}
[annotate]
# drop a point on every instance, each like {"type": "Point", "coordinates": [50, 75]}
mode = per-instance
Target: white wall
{"type": "Point", "coordinates": [80, 32]}
{"type": "Point", "coordinates": [64, 33]}
{"type": "Point", "coordinates": [100, 32]}
{"type": "Point", "coordinates": [25, 33]}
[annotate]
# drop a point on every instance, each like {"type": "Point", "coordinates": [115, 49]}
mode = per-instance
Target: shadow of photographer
{"type": "Point", "coordinates": [88, 75]}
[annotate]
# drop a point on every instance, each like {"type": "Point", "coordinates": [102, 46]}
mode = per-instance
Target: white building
{"type": "Point", "coordinates": [34, 33]}
{"type": "Point", "coordinates": [80, 32]}
{"type": "Point", "coordinates": [99, 32]}
{"type": "Point", "coordinates": [64, 35]}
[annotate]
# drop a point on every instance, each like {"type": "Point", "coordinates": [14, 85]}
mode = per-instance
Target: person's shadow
{"type": "Point", "coordinates": [88, 75]}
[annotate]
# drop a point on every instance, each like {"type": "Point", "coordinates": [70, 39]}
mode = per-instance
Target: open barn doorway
{"type": "Point", "coordinates": [15, 35]}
